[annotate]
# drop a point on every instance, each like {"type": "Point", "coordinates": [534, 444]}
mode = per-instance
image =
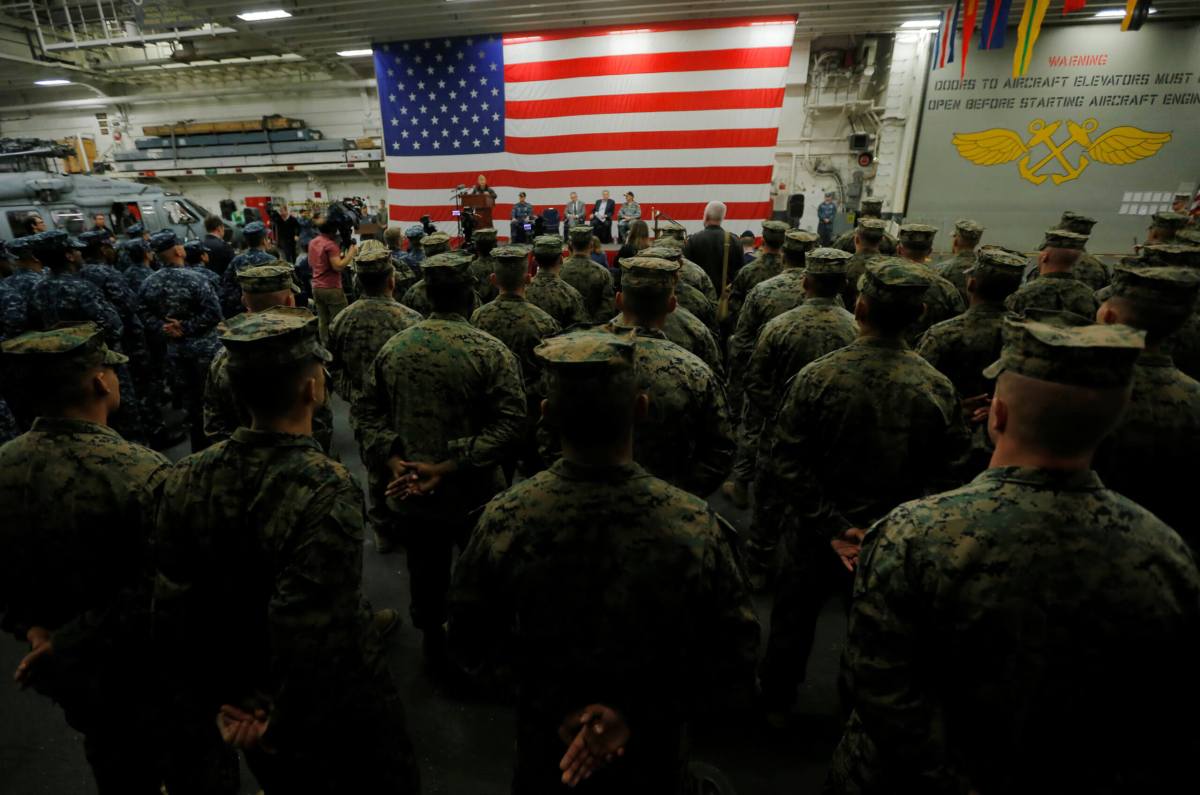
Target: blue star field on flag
{"type": "Point", "coordinates": [442, 96]}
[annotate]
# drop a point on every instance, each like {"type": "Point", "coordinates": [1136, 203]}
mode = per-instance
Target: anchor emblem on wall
{"type": "Point", "coordinates": [1119, 146]}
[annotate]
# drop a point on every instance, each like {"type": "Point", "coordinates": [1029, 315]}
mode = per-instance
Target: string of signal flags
{"type": "Point", "coordinates": [994, 23]}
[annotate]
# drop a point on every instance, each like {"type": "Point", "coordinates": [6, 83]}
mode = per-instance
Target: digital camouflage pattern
{"type": "Point", "coordinates": [557, 298]}
{"type": "Point", "coordinates": [230, 293]}
{"type": "Point", "coordinates": [16, 291]}
{"type": "Point", "coordinates": [9, 429]}
{"type": "Point", "coordinates": [482, 267]}
{"type": "Point", "coordinates": [356, 336]}
{"type": "Point", "coordinates": [687, 438]}
{"type": "Point", "coordinates": [65, 298]}
{"type": "Point", "coordinates": [408, 271]}
{"type": "Point", "coordinates": [1149, 456]}
{"type": "Point", "coordinates": [954, 270]}
{"type": "Point", "coordinates": [1184, 346]}
{"type": "Point", "coordinates": [942, 302]}
{"type": "Point", "coordinates": [1058, 291]}
{"type": "Point", "coordinates": [444, 390]}
{"type": "Point", "coordinates": [550, 564]}
{"type": "Point", "coordinates": [768, 300]}
{"type": "Point", "coordinates": [184, 295]}
{"type": "Point", "coordinates": [763, 267]}
{"type": "Point", "coordinates": [986, 620]}
{"type": "Point", "coordinates": [689, 332]}
{"type": "Point", "coordinates": [1092, 271]}
{"type": "Point", "coordinates": [417, 300]}
{"type": "Point", "coordinates": [259, 544]}
{"type": "Point", "coordinates": [845, 241]}
{"type": "Point", "coordinates": [594, 284]}
{"type": "Point", "coordinates": [873, 412]}
{"type": "Point", "coordinates": [521, 326]}
{"type": "Point", "coordinates": [694, 301]}
{"type": "Point", "coordinates": [961, 347]}
{"type": "Point", "coordinates": [135, 274]}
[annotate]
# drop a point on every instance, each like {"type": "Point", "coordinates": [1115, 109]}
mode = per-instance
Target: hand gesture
{"type": "Point", "coordinates": [415, 478]}
{"type": "Point", "coordinates": [847, 546]}
{"type": "Point", "coordinates": [600, 734]}
{"type": "Point", "coordinates": [40, 646]}
{"type": "Point", "coordinates": [241, 729]}
{"type": "Point", "coordinates": [173, 328]}
{"type": "Point", "coordinates": [976, 408]}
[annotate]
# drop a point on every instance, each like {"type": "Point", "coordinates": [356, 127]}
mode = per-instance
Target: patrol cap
{"type": "Point", "coordinates": [774, 232]}
{"type": "Point", "coordinates": [373, 257]}
{"type": "Point", "coordinates": [76, 244]}
{"type": "Point", "coordinates": [968, 229]}
{"type": "Point", "coordinates": [436, 243]}
{"type": "Point", "coordinates": [1093, 355]}
{"type": "Point", "coordinates": [580, 234]}
{"type": "Point", "coordinates": [1171, 254]}
{"type": "Point", "coordinates": [1189, 235]}
{"type": "Point", "coordinates": [871, 207]}
{"type": "Point", "coordinates": [1169, 221]}
{"type": "Point", "coordinates": [894, 279]}
{"type": "Point", "coordinates": [547, 244]}
{"type": "Point", "coordinates": [1063, 238]}
{"type": "Point", "coordinates": [70, 345]}
{"type": "Point", "coordinates": [194, 248]}
{"type": "Point", "coordinates": [447, 268]}
{"type": "Point", "coordinates": [274, 277]}
{"type": "Point", "coordinates": [648, 273]}
{"type": "Point", "coordinates": [826, 261]}
{"type": "Point", "coordinates": [21, 247]}
{"type": "Point", "coordinates": [1161, 287]}
{"type": "Point", "coordinates": [799, 241]}
{"type": "Point", "coordinates": [748, 235]}
{"type": "Point", "coordinates": [997, 261]}
{"type": "Point", "coordinates": [136, 249]}
{"type": "Point", "coordinates": [416, 230]}
{"type": "Point", "coordinates": [919, 235]}
{"type": "Point", "coordinates": [95, 237]}
{"type": "Point", "coordinates": [161, 241]}
{"type": "Point", "coordinates": [51, 240]}
{"type": "Point", "coordinates": [254, 231]}
{"type": "Point", "coordinates": [511, 260]}
{"type": "Point", "coordinates": [1075, 222]}
{"type": "Point", "coordinates": [669, 253]}
{"type": "Point", "coordinates": [671, 229]}
{"type": "Point", "coordinates": [588, 351]}
{"type": "Point", "coordinates": [136, 229]}
{"type": "Point", "coordinates": [872, 229]}
{"type": "Point", "coordinates": [484, 234]}
{"type": "Point", "coordinates": [279, 335]}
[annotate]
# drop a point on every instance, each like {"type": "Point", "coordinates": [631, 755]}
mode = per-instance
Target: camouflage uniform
{"type": "Point", "coordinates": [689, 332]}
{"type": "Point", "coordinates": [9, 429]}
{"type": "Point", "coordinates": [115, 289]}
{"type": "Point", "coordinates": [942, 300]}
{"type": "Point", "coordinates": [1001, 632]}
{"type": "Point", "coordinates": [557, 298]}
{"type": "Point", "coordinates": [231, 291]}
{"type": "Point", "coordinates": [259, 548]}
{"type": "Point", "coordinates": [441, 390]}
{"type": "Point", "coordinates": [871, 413]}
{"type": "Point", "coordinates": [1057, 291]}
{"type": "Point", "coordinates": [223, 414]}
{"type": "Point", "coordinates": [689, 272]}
{"type": "Point", "coordinates": [79, 512]}
{"type": "Point", "coordinates": [954, 270]}
{"type": "Point", "coordinates": [694, 301]}
{"type": "Point", "coordinates": [871, 209]}
{"type": "Point", "coordinates": [15, 294]}
{"type": "Point", "coordinates": [182, 294]}
{"type": "Point", "coordinates": [482, 267]}
{"type": "Point", "coordinates": [542, 578]}
{"type": "Point", "coordinates": [786, 345]}
{"type": "Point", "coordinates": [356, 336]}
{"type": "Point", "coordinates": [764, 266]}
{"type": "Point", "coordinates": [593, 282]}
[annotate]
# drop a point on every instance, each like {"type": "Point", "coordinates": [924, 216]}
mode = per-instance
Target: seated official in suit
{"type": "Point", "coordinates": [630, 212]}
{"type": "Point", "coordinates": [575, 213]}
{"type": "Point", "coordinates": [602, 217]}
{"type": "Point", "coordinates": [522, 213]}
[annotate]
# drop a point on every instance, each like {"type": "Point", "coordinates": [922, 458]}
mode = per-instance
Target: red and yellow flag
{"type": "Point", "coordinates": [970, 9]}
{"type": "Point", "coordinates": [1027, 34]}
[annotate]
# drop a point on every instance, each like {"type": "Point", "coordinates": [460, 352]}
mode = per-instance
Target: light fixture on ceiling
{"type": "Point", "coordinates": [54, 81]}
{"type": "Point", "coordinates": [263, 16]}
{"type": "Point", "coordinates": [354, 53]}
{"type": "Point", "coordinates": [1115, 12]}
{"type": "Point", "coordinates": [921, 23]}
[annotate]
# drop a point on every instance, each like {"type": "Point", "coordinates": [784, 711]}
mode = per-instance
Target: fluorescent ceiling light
{"type": "Point", "coordinates": [262, 16]}
{"type": "Point", "coordinates": [921, 23]}
{"type": "Point", "coordinates": [57, 81]}
{"type": "Point", "coordinates": [1115, 12]}
{"type": "Point", "coordinates": [353, 53]}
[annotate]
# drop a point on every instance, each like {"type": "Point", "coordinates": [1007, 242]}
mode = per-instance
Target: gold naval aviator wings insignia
{"type": "Point", "coordinates": [1120, 146]}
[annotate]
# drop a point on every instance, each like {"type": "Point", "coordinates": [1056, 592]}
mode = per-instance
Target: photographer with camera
{"type": "Point", "coordinates": [327, 262]}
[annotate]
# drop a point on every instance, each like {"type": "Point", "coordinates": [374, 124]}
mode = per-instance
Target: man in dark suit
{"type": "Point", "coordinates": [602, 217]}
{"type": "Point", "coordinates": [707, 248]}
{"type": "Point", "coordinates": [219, 252]}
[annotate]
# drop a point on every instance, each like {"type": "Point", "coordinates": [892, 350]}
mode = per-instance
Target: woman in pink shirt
{"type": "Point", "coordinates": [326, 260]}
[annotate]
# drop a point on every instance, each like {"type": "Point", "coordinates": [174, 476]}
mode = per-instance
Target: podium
{"type": "Point", "coordinates": [482, 204]}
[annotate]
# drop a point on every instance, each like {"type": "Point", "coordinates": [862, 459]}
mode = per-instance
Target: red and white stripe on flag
{"type": "Point", "coordinates": [678, 113]}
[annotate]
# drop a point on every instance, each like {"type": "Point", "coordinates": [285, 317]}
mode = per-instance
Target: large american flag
{"type": "Point", "coordinates": [679, 113]}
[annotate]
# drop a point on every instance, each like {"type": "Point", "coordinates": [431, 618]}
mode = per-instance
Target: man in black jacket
{"type": "Point", "coordinates": [219, 252]}
{"type": "Point", "coordinates": [287, 229]}
{"type": "Point", "coordinates": [709, 247]}
{"type": "Point", "coordinates": [602, 217]}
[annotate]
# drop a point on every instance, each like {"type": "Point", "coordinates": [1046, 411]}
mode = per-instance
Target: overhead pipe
{"type": "Point", "coordinates": [154, 99]}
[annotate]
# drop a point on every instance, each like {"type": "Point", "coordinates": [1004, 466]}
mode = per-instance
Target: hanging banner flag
{"type": "Point", "coordinates": [970, 10]}
{"type": "Point", "coordinates": [995, 23]}
{"type": "Point", "coordinates": [1027, 34]}
{"type": "Point", "coordinates": [1136, 12]}
{"type": "Point", "coordinates": [943, 48]}
{"type": "Point", "coordinates": [1073, 5]}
